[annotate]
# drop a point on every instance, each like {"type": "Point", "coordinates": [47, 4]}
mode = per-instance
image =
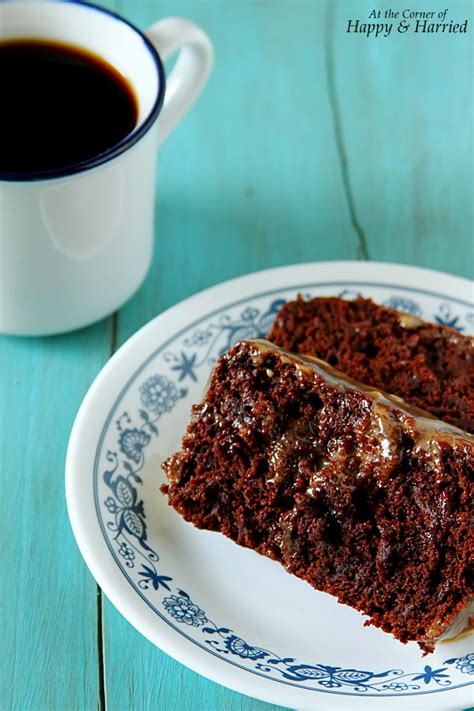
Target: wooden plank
{"type": "Point", "coordinates": [48, 608]}
{"type": "Point", "coordinates": [140, 677]}
{"type": "Point", "coordinates": [406, 115]}
{"type": "Point", "coordinates": [249, 180]}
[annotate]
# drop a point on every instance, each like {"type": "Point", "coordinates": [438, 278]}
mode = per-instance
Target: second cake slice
{"type": "Point", "coordinates": [428, 365]}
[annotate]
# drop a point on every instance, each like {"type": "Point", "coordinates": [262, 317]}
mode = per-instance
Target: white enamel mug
{"type": "Point", "coordinates": [76, 243]}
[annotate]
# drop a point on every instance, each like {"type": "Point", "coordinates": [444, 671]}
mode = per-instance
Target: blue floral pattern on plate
{"type": "Point", "coordinates": [123, 517]}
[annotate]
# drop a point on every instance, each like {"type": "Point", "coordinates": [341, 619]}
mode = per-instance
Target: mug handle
{"type": "Point", "coordinates": [189, 74]}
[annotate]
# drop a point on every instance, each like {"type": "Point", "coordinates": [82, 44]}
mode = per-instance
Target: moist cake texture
{"type": "Point", "coordinates": [353, 490]}
{"type": "Point", "coordinates": [426, 364]}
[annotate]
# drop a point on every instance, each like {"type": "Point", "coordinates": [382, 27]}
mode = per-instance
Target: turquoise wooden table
{"type": "Point", "coordinates": [308, 144]}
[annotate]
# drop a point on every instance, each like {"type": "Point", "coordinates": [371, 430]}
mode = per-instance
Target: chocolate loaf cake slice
{"type": "Point", "coordinates": [356, 492]}
{"type": "Point", "coordinates": [428, 365]}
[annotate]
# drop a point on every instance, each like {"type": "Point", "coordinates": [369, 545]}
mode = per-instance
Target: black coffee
{"type": "Point", "coordinates": [60, 105]}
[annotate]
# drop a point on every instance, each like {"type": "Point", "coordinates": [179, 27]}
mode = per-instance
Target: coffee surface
{"type": "Point", "coordinates": [61, 105]}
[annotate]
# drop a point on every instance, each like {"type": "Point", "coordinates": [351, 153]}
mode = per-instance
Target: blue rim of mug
{"type": "Point", "coordinates": [118, 148]}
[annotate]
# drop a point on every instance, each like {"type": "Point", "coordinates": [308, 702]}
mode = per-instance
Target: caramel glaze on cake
{"type": "Point", "coordinates": [353, 490]}
{"type": "Point", "coordinates": [426, 364]}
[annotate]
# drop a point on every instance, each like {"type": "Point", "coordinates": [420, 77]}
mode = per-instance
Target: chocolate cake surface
{"type": "Point", "coordinates": [426, 364]}
{"type": "Point", "coordinates": [353, 490]}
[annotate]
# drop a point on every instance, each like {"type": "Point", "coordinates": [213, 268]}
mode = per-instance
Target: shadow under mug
{"type": "Point", "coordinates": [76, 243]}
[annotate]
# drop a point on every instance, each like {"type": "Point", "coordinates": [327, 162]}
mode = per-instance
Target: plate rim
{"type": "Point", "coordinates": [378, 277]}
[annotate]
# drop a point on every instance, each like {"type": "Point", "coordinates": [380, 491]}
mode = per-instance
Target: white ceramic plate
{"type": "Point", "coordinates": [226, 612]}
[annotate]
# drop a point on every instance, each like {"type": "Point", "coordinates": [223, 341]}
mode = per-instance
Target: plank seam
{"type": "Point", "coordinates": [113, 333]}
{"type": "Point", "coordinates": [100, 613]}
{"type": "Point", "coordinates": [362, 247]}
{"type": "Point", "coordinates": [100, 652]}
